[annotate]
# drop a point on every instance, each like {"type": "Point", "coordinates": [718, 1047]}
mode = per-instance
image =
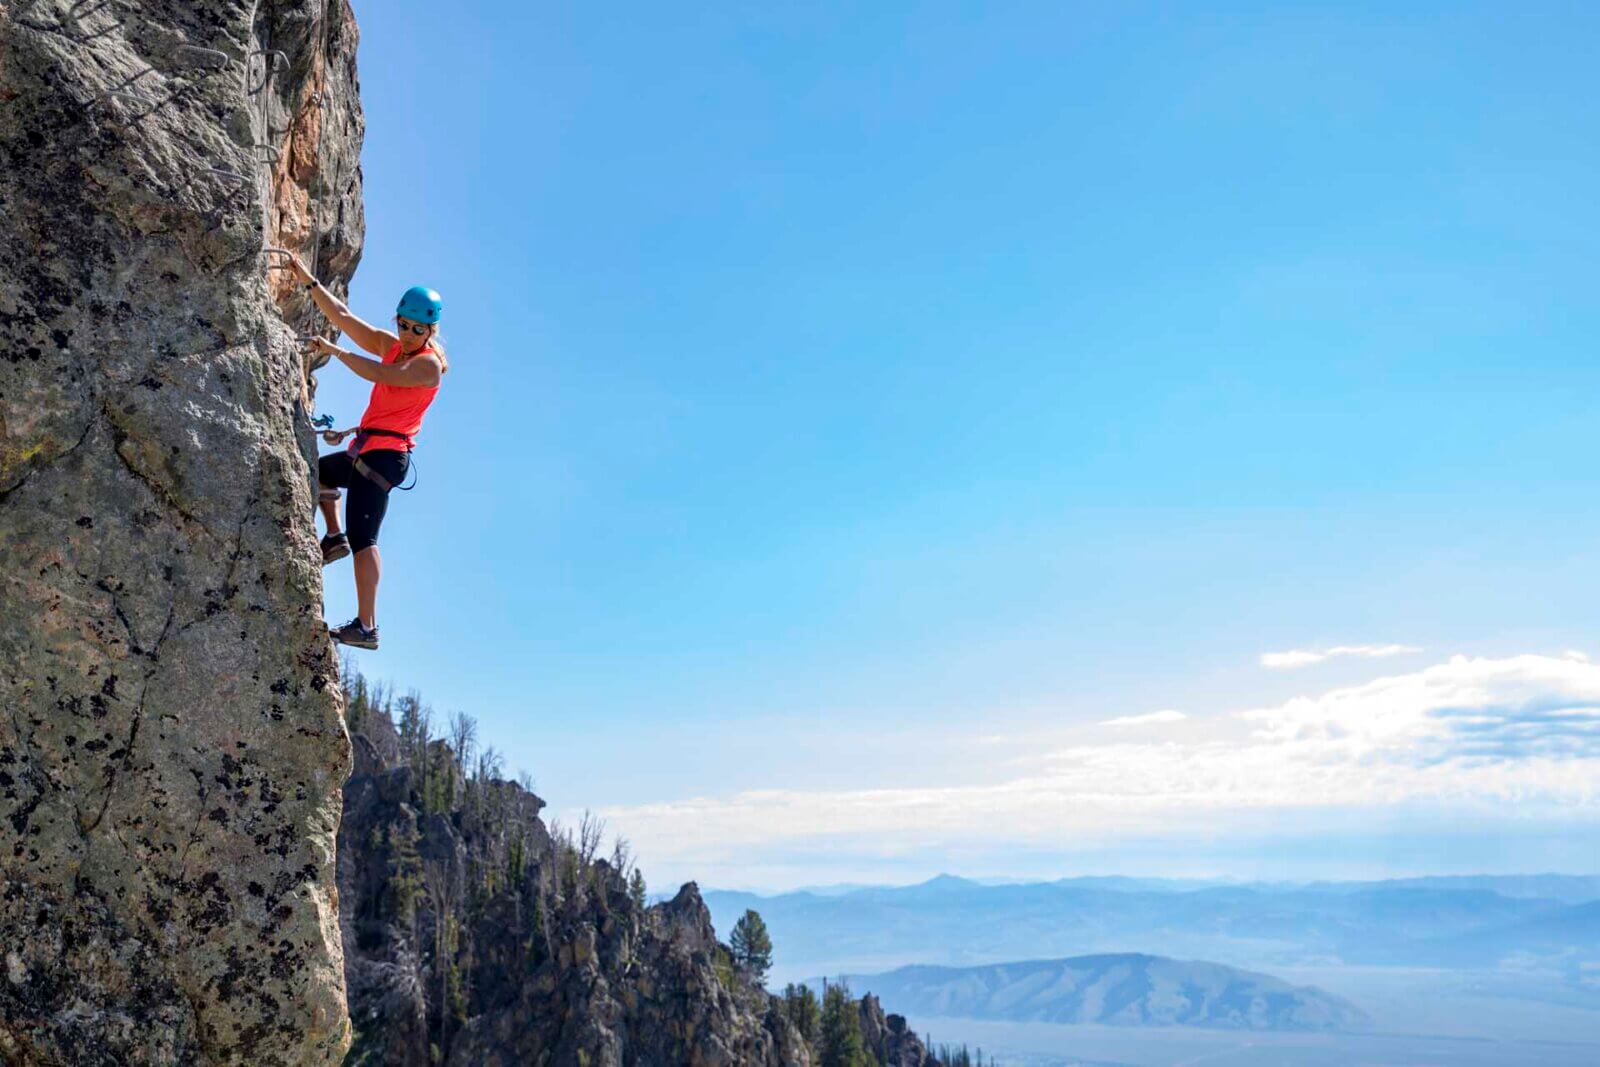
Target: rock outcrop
{"type": "Point", "coordinates": [889, 1040]}
{"type": "Point", "coordinates": [171, 746]}
{"type": "Point", "coordinates": [470, 929]}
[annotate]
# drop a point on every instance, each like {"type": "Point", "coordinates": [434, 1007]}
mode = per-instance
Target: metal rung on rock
{"type": "Point", "coordinates": [93, 8]}
{"type": "Point", "coordinates": [216, 58]}
{"type": "Point", "coordinates": [73, 12]}
{"type": "Point", "coordinates": [280, 58]}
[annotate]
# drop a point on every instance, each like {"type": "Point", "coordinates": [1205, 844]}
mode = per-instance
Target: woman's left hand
{"type": "Point", "coordinates": [323, 345]}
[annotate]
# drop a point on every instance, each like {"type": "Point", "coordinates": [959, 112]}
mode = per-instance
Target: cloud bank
{"type": "Point", "coordinates": [1154, 718]}
{"type": "Point", "coordinates": [1517, 737]}
{"type": "Point", "coordinates": [1297, 657]}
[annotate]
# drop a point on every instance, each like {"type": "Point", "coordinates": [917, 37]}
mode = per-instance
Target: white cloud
{"type": "Point", "coordinates": [1514, 737]}
{"type": "Point", "coordinates": [1299, 657]}
{"type": "Point", "coordinates": [1153, 718]}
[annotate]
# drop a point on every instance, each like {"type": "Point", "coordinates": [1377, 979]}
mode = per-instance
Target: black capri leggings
{"type": "Point", "coordinates": [363, 510]}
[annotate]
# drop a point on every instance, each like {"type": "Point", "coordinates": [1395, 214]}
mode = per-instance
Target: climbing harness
{"type": "Point", "coordinates": [362, 434]}
{"type": "Point", "coordinates": [334, 437]}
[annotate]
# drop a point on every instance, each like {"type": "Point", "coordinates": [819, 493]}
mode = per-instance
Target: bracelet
{"type": "Point", "coordinates": [312, 284]}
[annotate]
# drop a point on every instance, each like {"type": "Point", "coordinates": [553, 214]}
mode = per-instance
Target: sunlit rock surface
{"type": "Point", "coordinates": [171, 747]}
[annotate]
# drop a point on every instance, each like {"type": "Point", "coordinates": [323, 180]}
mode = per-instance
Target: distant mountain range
{"type": "Point", "coordinates": [1124, 989]}
{"type": "Point", "coordinates": [949, 921]}
{"type": "Point", "coordinates": [1567, 933]}
{"type": "Point", "coordinates": [1566, 888]}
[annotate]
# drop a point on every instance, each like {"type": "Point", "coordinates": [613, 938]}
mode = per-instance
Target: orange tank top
{"type": "Point", "coordinates": [398, 408]}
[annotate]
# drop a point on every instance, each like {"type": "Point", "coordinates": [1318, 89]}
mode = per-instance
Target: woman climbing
{"type": "Point", "coordinates": [405, 379]}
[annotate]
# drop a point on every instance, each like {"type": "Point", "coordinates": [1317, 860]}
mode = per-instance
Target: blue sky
{"type": "Point", "coordinates": [835, 387]}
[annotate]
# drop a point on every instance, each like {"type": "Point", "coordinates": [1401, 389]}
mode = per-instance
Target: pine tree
{"type": "Point", "coordinates": [636, 888]}
{"type": "Point", "coordinates": [516, 862]}
{"type": "Point", "coordinates": [752, 948]}
{"type": "Point", "coordinates": [951, 1056]}
{"type": "Point", "coordinates": [841, 1030]}
{"type": "Point", "coordinates": [800, 1005]}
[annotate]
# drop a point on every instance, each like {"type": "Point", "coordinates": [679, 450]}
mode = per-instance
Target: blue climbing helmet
{"type": "Point", "coordinates": [420, 304]}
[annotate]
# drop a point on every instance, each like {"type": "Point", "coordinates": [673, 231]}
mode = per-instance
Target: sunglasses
{"type": "Point", "coordinates": [411, 327]}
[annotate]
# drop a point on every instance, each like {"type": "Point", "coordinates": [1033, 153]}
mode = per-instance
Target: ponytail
{"type": "Point", "coordinates": [438, 349]}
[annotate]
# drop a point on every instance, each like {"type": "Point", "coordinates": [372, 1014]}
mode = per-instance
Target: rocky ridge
{"type": "Point", "coordinates": [1119, 989]}
{"type": "Point", "coordinates": [475, 935]}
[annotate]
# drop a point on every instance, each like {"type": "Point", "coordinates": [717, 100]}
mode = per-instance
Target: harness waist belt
{"type": "Point", "coordinates": [363, 432]}
{"type": "Point", "coordinates": [379, 431]}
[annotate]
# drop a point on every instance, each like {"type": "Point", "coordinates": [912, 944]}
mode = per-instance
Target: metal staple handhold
{"type": "Point", "coordinates": [93, 9]}
{"type": "Point", "coordinates": [280, 58]}
{"type": "Point", "coordinates": [219, 172]}
{"type": "Point", "coordinates": [73, 12]}
{"type": "Point", "coordinates": [276, 155]}
{"type": "Point", "coordinates": [218, 58]}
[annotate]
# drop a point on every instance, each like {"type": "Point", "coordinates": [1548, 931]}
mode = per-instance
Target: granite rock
{"type": "Point", "coordinates": [171, 743]}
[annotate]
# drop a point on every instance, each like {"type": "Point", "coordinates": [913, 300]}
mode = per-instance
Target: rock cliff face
{"type": "Point", "coordinates": [171, 747]}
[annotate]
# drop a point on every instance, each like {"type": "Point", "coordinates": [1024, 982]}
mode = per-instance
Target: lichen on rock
{"type": "Point", "coordinates": [171, 744]}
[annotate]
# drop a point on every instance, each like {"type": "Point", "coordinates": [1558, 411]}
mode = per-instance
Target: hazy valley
{"type": "Point", "coordinates": [1462, 970]}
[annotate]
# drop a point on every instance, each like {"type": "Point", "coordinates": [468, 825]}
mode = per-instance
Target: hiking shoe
{"type": "Point", "coordinates": [355, 635]}
{"type": "Point", "coordinates": [334, 546]}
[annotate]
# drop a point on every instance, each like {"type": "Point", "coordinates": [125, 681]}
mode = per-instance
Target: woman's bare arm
{"type": "Point", "coordinates": [362, 333]}
{"type": "Point", "coordinates": [418, 372]}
